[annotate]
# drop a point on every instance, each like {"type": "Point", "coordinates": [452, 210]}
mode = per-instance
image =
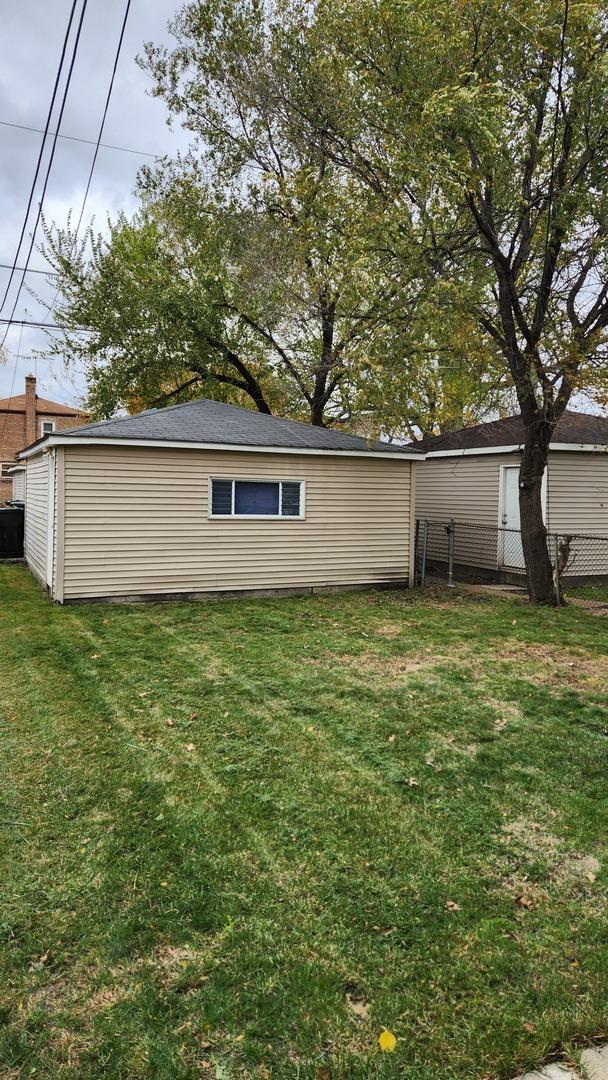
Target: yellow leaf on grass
{"type": "Point", "coordinates": [387, 1040]}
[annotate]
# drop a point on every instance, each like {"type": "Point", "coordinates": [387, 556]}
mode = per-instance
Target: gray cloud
{"type": "Point", "coordinates": [33, 32]}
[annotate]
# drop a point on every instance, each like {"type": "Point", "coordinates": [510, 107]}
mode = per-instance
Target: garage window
{"type": "Point", "coordinates": [257, 498]}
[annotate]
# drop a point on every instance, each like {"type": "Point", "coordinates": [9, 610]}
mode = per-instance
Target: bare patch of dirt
{"type": "Point", "coordinates": [576, 868]}
{"type": "Point", "coordinates": [68, 1046]}
{"type": "Point", "coordinates": [526, 894]}
{"type": "Point", "coordinates": [532, 835]}
{"type": "Point", "coordinates": [565, 868]}
{"type": "Point", "coordinates": [559, 667]}
{"type": "Point", "coordinates": [449, 742]}
{"type": "Point", "coordinates": [389, 629]}
{"type": "Point", "coordinates": [172, 956]}
{"type": "Point", "coordinates": [594, 607]}
{"type": "Point", "coordinates": [388, 665]}
{"type": "Point", "coordinates": [507, 712]}
{"type": "Point", "coordinates": [105, 998]}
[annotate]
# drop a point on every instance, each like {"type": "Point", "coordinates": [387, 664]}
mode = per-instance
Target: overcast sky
{"type": "Point", "coordinates": [32, 36]}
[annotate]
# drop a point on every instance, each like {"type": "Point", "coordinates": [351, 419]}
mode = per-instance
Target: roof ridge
{"type": "Point", "coordinates": [226, 405]}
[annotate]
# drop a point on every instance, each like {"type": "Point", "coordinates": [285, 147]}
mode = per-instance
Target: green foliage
{"type": "Point", "coordinates": [485, 125]}
{"type": "Point", "coordinates": [397, 208]}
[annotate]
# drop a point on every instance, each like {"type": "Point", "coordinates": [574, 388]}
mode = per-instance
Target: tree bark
{"type": "Point", "coordinates": [539, 571]}
{"type": "Point", "coordinates": [321, 394]}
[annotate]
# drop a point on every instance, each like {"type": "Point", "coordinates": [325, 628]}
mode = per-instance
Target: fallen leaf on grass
{"type": "Point", "coordinates": [190, 747]}
{"type": "Point", "coordinates": [412, 782]}
{"type": "Point", "coordinates": [530, 1028]}
{"type": "Point", "coordinates": [524, 901]}
{"type": "Point", "coordinates": [451, 905]}
{"type": "Point", "coordinates": [386, 1040]}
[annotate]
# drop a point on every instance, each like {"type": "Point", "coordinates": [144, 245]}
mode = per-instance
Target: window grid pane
{"type": "Point", "coordinates": [256, 498]}
{"type": "Point", "coordinates": [290, 499]}
{"type": "Point", "coordinates": [221, 496]}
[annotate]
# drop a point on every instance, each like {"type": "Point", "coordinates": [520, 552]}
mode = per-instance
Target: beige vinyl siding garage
{"type": "Point", "coordinates": [36, 536]}
{"type": "Point", "coordinates": [136, 521]}
{"type": "Point", "coordinates": [578, 492]}
{"type": "Point", "coordinates": [465, 488]}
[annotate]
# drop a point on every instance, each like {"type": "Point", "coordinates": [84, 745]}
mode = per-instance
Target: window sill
{"type": "Point", "coordinates": [256, 517]}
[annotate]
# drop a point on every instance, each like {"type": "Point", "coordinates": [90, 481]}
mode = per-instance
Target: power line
{"type": "Point", "coordinates": [99, 135]}
{"type": "Point", "coordinates": [50, 162]}
{"type": "Point", "coordinates": [45, 325]}
{"type": "Point", "coordinates": [14, 375]}
{"type": "Point", "coordinates": [75, 138]}
{"type": "Point", "coordinates": [27, 269]}
{"type": "Point", "coordinates": [41, 152]}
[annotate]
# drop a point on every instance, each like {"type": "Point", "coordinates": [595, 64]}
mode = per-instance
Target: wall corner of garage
{"type": "Point", "coordinates": [414, 466]}
{"type": "Point", "coordinates": [57, 591]}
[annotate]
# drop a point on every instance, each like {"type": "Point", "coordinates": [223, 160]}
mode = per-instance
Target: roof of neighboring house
{"type": "Point", "coordinates": [53, 408]}
{"type": "Point", "coordinates": [211, 422]}
{"type": "Point", "coordinates": [573, 427]}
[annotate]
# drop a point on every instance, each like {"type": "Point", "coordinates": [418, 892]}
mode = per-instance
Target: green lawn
{"type": "Point", "coordinates": [241, 838]}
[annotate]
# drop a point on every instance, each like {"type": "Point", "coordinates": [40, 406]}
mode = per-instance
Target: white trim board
{"type": "Point", "coordinates": [159, 444]}
{"type": "Point", "coordinates": [515, 448]}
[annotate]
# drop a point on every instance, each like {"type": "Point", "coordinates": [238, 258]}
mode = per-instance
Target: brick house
{"type": "Point", "coordinates": [24, 419]}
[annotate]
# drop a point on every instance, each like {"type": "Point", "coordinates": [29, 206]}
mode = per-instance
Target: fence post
{"type": "Point", "coordinates": [558, 590]}
{"type": "Point", "coordinates": [451, 531]}
{"type": "Point", "coordinates": [423, 547]}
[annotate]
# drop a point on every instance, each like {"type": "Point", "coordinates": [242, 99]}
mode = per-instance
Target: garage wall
{"type": "Point", "coordinates": [136, 522]}
{"type": "Point", "coordinates": [464, 488]}
{"type": "Point", "coordinates": [578, 492]}
{"type": "Point", "coordinates": [36, 515]}
{"type": "Point", "coordinates": [467, 489]}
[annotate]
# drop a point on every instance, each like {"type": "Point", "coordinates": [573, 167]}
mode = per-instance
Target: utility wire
{"type": "Point", "coordinates": [45, 325]}
{"type": "Point", "coordinates": [75, 138]}
{"type": "Point", "coordinates": [49, 164]}
{"type": "Point", "coordinates": [98, 140]}
{"type": "Point", "coordinates": [41, 152]}
{"type": "Point", "coordinates": [46, 180]}
{"type": "Point", "coordinates": [27, 269]}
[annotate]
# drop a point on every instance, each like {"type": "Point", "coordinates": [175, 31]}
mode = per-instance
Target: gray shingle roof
{"type": "Point", "coordinates": [205, 421]}
{"type": "Point", "coordinates": [573, 427]}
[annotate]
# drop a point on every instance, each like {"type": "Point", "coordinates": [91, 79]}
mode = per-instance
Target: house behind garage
{"type": "Point", "coordinates": [472, 477]}
{"type": "Point", "coordinates": [25, 418]}
{"type": "Point", "coordinates": [206, 498]}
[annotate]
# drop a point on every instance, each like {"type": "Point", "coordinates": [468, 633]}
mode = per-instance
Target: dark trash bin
{"type": "Point", "coordinates": [11, 532]}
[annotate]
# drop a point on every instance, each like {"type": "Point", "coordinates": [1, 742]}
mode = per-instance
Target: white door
{"type": "Point", "coordinates": [510, 552]}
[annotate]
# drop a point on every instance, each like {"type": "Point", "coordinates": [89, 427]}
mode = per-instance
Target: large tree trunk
{"type": "Point", "coordinates": [539, 571]}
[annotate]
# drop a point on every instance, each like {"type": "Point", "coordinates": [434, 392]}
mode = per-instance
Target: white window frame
{"type": "Point", "coordinates": [6, 465]}
{"type": "Point", "coordinates": [52, 430]}
{"type": "Point", "coordinates": [257, 517]}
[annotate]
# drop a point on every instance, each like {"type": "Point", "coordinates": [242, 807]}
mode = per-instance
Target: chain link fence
{"type": "Point", "coordinates": [454, 552]}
